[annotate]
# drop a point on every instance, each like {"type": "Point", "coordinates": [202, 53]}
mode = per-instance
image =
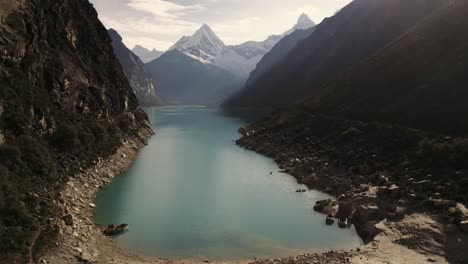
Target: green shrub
{"type": "Point", "coordinates": [66, 138]}
{"type": "Point", "coordinates": [99, 131]}
{"type": "Point", "coordinates": [86, 138]}
{"type": "Point", "coordinates": [107, 136]}
{"type": "Point", "coordinates": [460, 152]}
{"type": "Point", "coordinates": [453, 153]}
{"type": "Point", "coordinates": [37, 157]}
{"type": "Point", "coordinates": [14, 120]}
{"type": "Point", "coordinates": [10, 156]}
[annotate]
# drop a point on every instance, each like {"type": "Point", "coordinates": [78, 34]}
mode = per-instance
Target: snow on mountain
{"type": "Point", "coordinates": [241, 59]}
{"type": "Point", "coordinates": [145, 54]}
{"type": "Point", "coordinates": [204, 44]}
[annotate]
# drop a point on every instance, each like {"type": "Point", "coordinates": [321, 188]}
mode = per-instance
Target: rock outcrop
{"type": "Point", "coordinates": [64, 104]}
{"type": "Point", "coordinates": [142, 83]}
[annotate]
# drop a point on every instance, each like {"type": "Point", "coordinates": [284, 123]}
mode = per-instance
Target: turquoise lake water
{"type": "Point", "coordinates": [193, 194]}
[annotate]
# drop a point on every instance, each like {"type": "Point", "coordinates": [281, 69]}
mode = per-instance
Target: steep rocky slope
{"type": "Point", "coordinates": [64, 103]}
{"type": "Point", "coordinates": [389, 138]}
{"type": "Point", "coordinates": [419, 80]}
{"type": "Point", "coordinates": [142, 83]}
{"type": "Point", "coordinates": [277, 53]}
{"type": "Point", "coordinates": [353, 34]}
{"type": "Point", "coordinates": [187, 81]}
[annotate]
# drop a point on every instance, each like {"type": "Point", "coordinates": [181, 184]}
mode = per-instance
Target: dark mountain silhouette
{"type": "Point", "coordinates": [419, 80]}
{"type": "Point", "coordinates": [185, 80]}
{"type": "Point", "coordinates": [142, 83]}
{"type": "Point", "coordinates": [353, 34]}
{"type": "Point", "coordinates": [278, 52]}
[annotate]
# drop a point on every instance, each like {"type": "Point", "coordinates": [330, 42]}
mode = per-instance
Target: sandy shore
{"type": "Point", "coordinates": [81, 241]}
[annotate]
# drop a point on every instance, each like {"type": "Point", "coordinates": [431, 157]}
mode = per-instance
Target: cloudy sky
{"type": "Point", "coordinates": [160, 23]}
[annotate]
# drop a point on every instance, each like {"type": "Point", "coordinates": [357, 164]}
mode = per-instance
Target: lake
{"type": "Point", "coordinates": [193, 194]}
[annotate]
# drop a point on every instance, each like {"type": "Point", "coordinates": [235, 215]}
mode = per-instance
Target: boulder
{"type": "Point", "coordinates": [320, 205]}
{"type": "Point", "coordinates": [366, 213]}
{"type": "Point", "coordinates": [68, 219]}
{"type": "Point", "coordinates": [331, 208]}
{"type": "Point", "coordinates": [464, 226]}
{"type": "Point", "coordinates": [441, 204]}
{"type": "Point", "coordinates": [85, 257]}
{"type": "Point", "coordinates": [368, 231]}
{"type": "Point", "coordinates": [345, 210]}
{"type": "Point", "coordinates": [395, 192]}
{"type": "Point", "coordinates": [363, 188]}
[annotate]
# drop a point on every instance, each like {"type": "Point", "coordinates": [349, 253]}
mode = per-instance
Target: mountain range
{"type": "Point", "coordinates": [241, 59]}
{"type": "Point", "coordinates": [184, 80]}
{"type": "Point", "coordinates": [356, 32]}
{"type": "Point", "coordinates": [145, 54]}
{"type": "Point", "coordinates": [142, 83]}
{"type": "Point", "coordinates": [201, 69]}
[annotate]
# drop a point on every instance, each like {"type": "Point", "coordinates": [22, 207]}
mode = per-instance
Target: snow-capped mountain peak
{"type": "Point", "coordinates": [241, 59]}
{"type": "Point", "coordinates": [203, 44]}
{"type": "Point", "coordinates": [205, 35]}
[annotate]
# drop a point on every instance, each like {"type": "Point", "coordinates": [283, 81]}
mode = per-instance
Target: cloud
{"type": "Point", "coordinates": [160, 23]}
{"type": "Point", "coordinates": [163, 9]}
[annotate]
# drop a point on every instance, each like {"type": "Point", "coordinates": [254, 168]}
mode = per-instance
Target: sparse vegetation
{"type": "Point", "coordinates": [447, 153]}
{"type": "Point", "coordinates": [51, 124]}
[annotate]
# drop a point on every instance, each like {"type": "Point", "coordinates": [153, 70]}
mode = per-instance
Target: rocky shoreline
{"type": "Point", "coordinates": [402, 212]}
{"type": "Point", "coordinates": [79, 239]}
{"type": "Point", "coordinates": [399, 227]}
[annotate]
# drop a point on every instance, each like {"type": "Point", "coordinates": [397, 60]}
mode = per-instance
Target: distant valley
{"type": "Point", "coordinates": [179, 83]}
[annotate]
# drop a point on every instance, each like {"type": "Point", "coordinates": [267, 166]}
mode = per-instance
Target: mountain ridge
{"type": "Point", "coordinates": [417, 69]}
{"type": "Point", "coordinates": [142, 83]}
{"type": "Point", "coordinates": [145, 54]}
{"type": "Point", "coordinates": [337, 44]}
{"type": "Point", "coordinates": [65, 104]}
{"type": "Point", "coordinates": [241, 59]}
{"type": "Point", "coordinates": [184, 80]}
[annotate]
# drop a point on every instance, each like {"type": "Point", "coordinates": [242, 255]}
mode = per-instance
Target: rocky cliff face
{"type": "Point", "coordinates": [279, 51]}
{"type": "Point", "coordinates": [419, 80]}
{"type": "Point", "coordinates": [141, 82]}
{"type": "Point", "coordinates": [64, 102]}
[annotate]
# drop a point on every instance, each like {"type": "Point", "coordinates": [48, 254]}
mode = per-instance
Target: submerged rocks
{"type": "Point", "coordinates": [320, 205]}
